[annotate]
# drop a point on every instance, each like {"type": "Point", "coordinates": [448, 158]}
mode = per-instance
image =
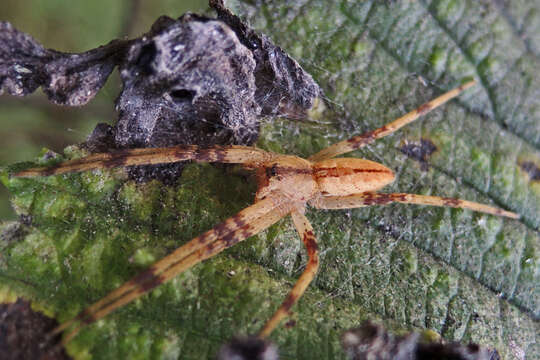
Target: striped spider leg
{"type": "Point", "coordinates": [364, 139]}
{"type": "Point", "coordinates": [372, 198]}
{"type": "Point", "coordinates": [305, 231]}
{"type": "Point", "coordinates": [286, 184]}
{"type": "Point", "coordinates": [235, 229]}
{"type": "Point", "coordinates": [367, 199]}
{"type": "Point", "coordinates": [244, 224]}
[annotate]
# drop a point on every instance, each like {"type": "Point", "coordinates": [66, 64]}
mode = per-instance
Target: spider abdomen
{"type": "Point", "coordinates": [347, 176]}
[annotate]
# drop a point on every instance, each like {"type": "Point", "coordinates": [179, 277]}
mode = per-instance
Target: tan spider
{"type": "Point", "coordinates": [286, 184]}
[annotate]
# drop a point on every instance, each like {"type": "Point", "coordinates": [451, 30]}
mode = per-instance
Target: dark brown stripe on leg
{"type": "Point", "coordinates": [146, 275]}
{"type": "Point", "coordinates": [88, 318]}
{"type": "Point", "coordinates": [147, 280]}
{"type": "Point", "coordinates": [116, 159]}
{"type": "Point", "coordinates": [239, 221]}
{"type": "Point", "coordinates": [85, 316]}
{"type": "Point", "coordinates": [221, 154]}
{"type": "Point", "coordinates": [289, 302]}
{"type": "Point", "coordinates": [221, 229]}
{"type": "Point", "coordinates": [151, 283]}
{"type": "Point", "coordinates": [229, 239]}
{"type": "Point", "coordinates": [310, 243]}
{"type": "Point", "coordinates": [451, 202]}
{"type": "Point", "coordinates": [424, 109]}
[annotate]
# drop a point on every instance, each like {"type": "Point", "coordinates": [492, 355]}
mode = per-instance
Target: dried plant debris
{"type": "Point", "coordinates": [194, 80]}
{"type": "Point", "coordinates": [283, 88]}
{"type": "Point", "coordinates": [248, 348]}
{"type": "Point", "coordinates": [67, 79]}
{"type": "Point", "coordinates": [23, 334]}
{"type": "Point", "coordinates": [371, 341]}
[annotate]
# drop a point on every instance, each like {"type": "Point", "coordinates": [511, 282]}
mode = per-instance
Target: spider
{"type": "Point", "coordinates": [286, 185]}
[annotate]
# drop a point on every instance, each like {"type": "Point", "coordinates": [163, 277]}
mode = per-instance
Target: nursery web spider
{"type": "Point", "coordinates": [286, 184]}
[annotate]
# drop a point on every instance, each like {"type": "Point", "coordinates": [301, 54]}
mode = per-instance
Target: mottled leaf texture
{"type": "Point", "coordinates": [467, 276]}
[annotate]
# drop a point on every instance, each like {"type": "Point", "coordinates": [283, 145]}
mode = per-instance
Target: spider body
{"type": "Point", "coordinates": [286, 184]}
{"type": "Point", "coordinates": [302, 181]}
{"type": "Point", "coordinates": [348, 176]}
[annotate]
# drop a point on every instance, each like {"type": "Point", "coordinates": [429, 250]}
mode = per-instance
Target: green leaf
{"type": "Point", "coordinates": [468, 276]}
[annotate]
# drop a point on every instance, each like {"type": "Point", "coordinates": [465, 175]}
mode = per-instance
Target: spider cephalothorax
{"type": "Point", "coordinates": [286, 185]}
{"type": "Point", "coordinates": [281, 175]}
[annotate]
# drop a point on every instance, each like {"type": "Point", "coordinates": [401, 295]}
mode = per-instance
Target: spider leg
{"type": "Point", "coordinates": [232, 224]}
{"type": "Point", "coordinates": [248, 222]}
{"type": "Point", "coordinates": [359, 141]}
{"type": "Point", "coordinates": [368, 199]}
{"type": "Point", "coordinates": [306, 233]}
{"type": "Point", "coordinates": [249, 156]}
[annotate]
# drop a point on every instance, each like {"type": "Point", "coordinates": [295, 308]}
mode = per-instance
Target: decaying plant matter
{"type": "Point", "coordinates": [194, 80]}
